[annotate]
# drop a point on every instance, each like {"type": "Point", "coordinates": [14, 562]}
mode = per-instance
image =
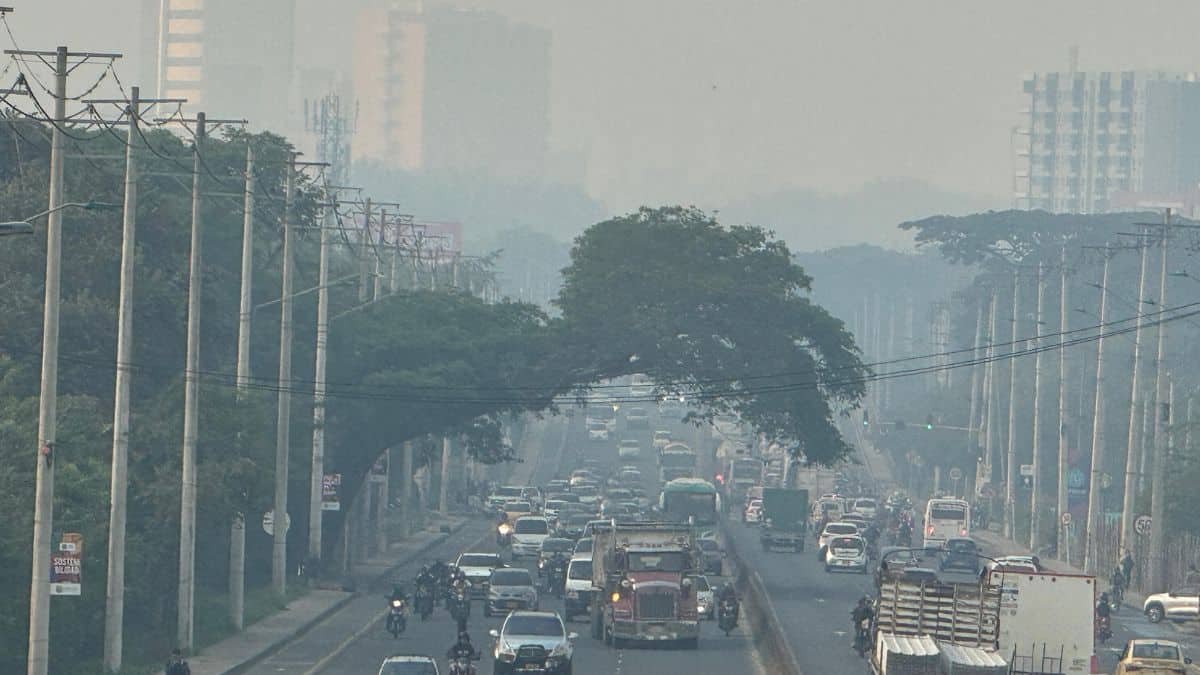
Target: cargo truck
{"type": "Point", "coordinates": [676, 460]}
{"type": "Point", "coordinates": [785, 519]}
{"type": "Point", "coordinates": [645, 573]}
{"type": "Point", "coordinates": [1048, 624]}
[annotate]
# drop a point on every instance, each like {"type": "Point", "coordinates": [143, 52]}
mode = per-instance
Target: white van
{"type": "Point", "coordinates": [579, 588]}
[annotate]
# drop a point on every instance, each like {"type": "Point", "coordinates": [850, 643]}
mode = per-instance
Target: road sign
{"type": "Point", "coordinates": [1026, 469]}
{"type": "Point", "coordinates": [956, 473]}
{"type": "Point", "coordinates": [1142, 525]}
{"type": "Point", "coordinates": [268, 523]}
{"type": "Point", "coordinates": [1066, 518]}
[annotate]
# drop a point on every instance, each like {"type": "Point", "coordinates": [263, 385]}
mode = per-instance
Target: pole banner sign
{"type": "Point", "coordinates": [66, 576]}
{"type": "Point", "coordinates": [331, 489]}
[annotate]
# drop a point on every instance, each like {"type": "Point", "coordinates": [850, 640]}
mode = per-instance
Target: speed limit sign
{"type": "Point", "coordinates": [1142, 524]}
{"type": "Point", "coordinates": [956, 473]}
{"type": "Point", "coordinates": [1066, 518]}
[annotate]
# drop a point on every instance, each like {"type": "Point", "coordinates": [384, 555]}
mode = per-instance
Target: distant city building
{"type": "Point", "coordinates": [442, 89]}
{"type": "Point", "coordinates": [229, 58]}
{"type": "Point", "coordinates": [1098, 142]}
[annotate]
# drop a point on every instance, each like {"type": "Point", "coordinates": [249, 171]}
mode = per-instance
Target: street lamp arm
{"type": "Point", "coordinates": [89, 205]}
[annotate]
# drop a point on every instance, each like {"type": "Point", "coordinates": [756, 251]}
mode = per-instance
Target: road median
{"type": "Point", "coordinates": [770, 638]}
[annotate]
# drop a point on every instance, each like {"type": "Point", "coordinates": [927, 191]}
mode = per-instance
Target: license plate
{"type": "Point", "coordinates": [511, 604]}
{"type": "Point", "coordinates": [844, 562]}
{"type": "Point", "coordinates": [530, 666]}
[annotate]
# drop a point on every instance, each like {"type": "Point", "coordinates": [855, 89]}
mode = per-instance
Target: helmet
{"type": "Point", "coordinates": [464, 636]}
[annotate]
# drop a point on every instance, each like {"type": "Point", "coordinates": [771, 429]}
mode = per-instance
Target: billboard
{"type": "Point", "coordinates": [66, 566]}
{"type": "Point", "coordinates": [331, 489]}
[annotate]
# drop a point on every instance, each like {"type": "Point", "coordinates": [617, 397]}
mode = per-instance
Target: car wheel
{"type": "Point", "coordinates": [1154, 613]}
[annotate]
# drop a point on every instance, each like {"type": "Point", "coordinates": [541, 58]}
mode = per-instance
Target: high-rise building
{"type": "Point", "coordinates": [441, 89]}
{"type": "Point", "coordinates": [1097, 142]}
{"type": "Point", "coordinates": [229, 58]}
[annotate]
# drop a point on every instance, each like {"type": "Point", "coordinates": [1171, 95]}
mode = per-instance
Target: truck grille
{"type": "Point", "coordinates": [531, 653]}
{"type": "Point", "coordinates": [656, 605]}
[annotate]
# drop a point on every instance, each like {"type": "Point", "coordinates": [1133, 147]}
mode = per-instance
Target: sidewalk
{"type": "Point", "coordinates": [262, 639]}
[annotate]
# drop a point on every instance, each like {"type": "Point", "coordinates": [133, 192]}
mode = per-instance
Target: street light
{"type": "Point", "coordinates": [26, 226]}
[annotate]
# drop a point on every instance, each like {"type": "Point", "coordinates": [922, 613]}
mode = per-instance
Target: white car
{"type": "Point", "coordinates": [1180, 604]}
{"type": "Point", "coordinates": [832, 530]}
{"type": "Point", "coordinates": [579, 589]}
{"type": "Point", "coordinates": [478, 569]}
{"type": "Point", "coordinates": [597, 431]}
{"type": "Point", "coordinates": [753, 512]}
{"type": "Point", "coordinates": [662, 438]}
{"type": "Point", "coordinates": [409, 664]}
{"type": "Point", "coordinates": [867, 507]}
{"type": "Point", "coordinates": [525, 629]}
{"type": "Point", "coordinates": [848, 553]}
{"type": "Point", "coordinates": [629, 448]}
{"type": "Point", "coordinates": [528, 534]}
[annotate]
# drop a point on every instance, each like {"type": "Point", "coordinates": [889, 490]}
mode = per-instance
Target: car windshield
{"type": "Point", "coordinates": [478, 560]}
{"type": "Point", "coordinates": [841, 528]}
{"type": "Point", "coordinates": [554, 505]}
{"type": "Point", "coordinates": [864, 504]}
{"type": "Point", "coordinates": [948, 512]}
{"type": "Point", "coordinates": [557, 545]}
{"type": "Point", "coordinates": [1156, 651]}
{"type": "Point", "coordinates": [511, 578]}
{"type": "Point", "coordinates": [545, 626]}
{"type": "Point", "coordinates": [580, 569]}
{"type": "Point", "coordinates": [619, 495]}
{"type": "Point", "coordinates": [408, 668]}
{"type": "Point", "coordinates": [665, 561]}
{"type": "Point", "coordinates": [702, 584]}
{"type": "Point", "coordinates": [531, 526]}
{"type": "Point", "coordinates": [960, 546]}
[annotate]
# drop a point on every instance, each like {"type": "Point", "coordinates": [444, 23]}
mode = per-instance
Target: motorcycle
{"type": "Point", "coordinates": [1115, 597]}
{"type": "Point", "coordinates": [397, 622]}
{"type": "Point", "coordinates": [460, 608]}
{"type": "Point", "coordinates": [556, 578]}
{"type": "Point", "coordinates": [727, 616]}
{"type": "Point", "coordinates": [504, 534]}
{"type": "Point", "coordinates": [424, 600]}
{"type": "Point", "coordinates": [1103, 629]}
{"type": "Point", "coordinates": [462, 666]}
{"type": "Point", "coordinates": [862, 637]}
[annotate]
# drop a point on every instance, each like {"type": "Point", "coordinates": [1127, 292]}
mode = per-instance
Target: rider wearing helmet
{"type": "Point", "coordinates": [462, 648]}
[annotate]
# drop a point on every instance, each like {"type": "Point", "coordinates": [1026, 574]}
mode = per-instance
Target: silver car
{"type": "Point", "coordinates": [510, 589]}
{"type": "Point", "coordinates": [533, 642]}
{"type": "Point", "coordinates": [1180, 604]}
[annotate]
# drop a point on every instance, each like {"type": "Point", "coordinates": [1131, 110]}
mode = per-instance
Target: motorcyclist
{"type": "Point", "coordinates": [1117, 582]}
{"type": "Point", "coordinates": [862, 612]}
{"type": "Point", "coordinates": [398, 594]}
{"type": "Point", "coordinates": [425, 577]}
{"type": "Point", "coordinates": [727, 597]}
{"type": "Point", "coordinates": [556, 569]}
{"type": "Point", "coordinates": [177, 666]}
{"type": "Point", "coordinates": [462, 648]}
{"type": "Point", "coordinates": [1102, 608]}
{"type": "Point", "coordinates": [904, 535]}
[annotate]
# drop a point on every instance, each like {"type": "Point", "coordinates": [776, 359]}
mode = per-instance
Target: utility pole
{"type": "Point", "coordinates": [191, 391]}
{"type": "Point", "coordinates": [1133, 441]}
{"type": "Point", "coordinates": [406, 514]}
{"type": "Point", "coordinates": [1061, 493]}
{"type": "Point", "coordinates": [237, 528]}
{"type": "Point", "coordinates": [445, 477]}
{"type": "Point", "coordinates": [1035, 529]}
{"type": "Point", "coordinates": [362, 253]}
{"type": "Point", "coordinates": [318, 435]}
{"type": "Point", "coordinates": [43, 510]}
{"type": "Point", "coordinates": [1010, 477]}
{"type": "Point", "coordinates": [1091, 551]}
{"type": "Point", "coordinates": [283, 417]}
{"type": "Point", "coordinates": [1162, 419]}
{"type": "Point", "coordinates": [973, 408]}
{"type": "Point", "coordinates": [991, 402]}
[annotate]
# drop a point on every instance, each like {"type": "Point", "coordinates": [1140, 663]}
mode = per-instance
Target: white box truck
{"type": "Point", "coordinates": [1047, 622]}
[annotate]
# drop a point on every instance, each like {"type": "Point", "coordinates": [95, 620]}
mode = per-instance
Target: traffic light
{"type": "Point", "coordinates": [929, 422]}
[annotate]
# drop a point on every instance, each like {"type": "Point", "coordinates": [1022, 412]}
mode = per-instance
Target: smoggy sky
{"type": "Point", "coordinates": [706, 101]}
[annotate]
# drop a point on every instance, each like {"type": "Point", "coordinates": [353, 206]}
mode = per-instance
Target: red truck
{"type": "Point", "coordinates": [645, 572]}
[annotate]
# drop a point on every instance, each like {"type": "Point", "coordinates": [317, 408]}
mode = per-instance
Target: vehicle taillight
{"type": "Point", "coordinates": [963, 532]}
{"type": "Point", "coordinates": [929, 530]}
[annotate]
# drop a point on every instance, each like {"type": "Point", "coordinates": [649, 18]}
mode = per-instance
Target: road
{"type": "Point", "coordinates": [717, 653]}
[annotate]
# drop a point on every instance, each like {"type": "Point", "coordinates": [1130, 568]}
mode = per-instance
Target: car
{"type": "Point", "coordinates": [572, 526]}
{"type": "Point", "coordinates": [528, 534]}
{"type": "Point", "coordinates": [552, 545]}
{"type": "Point", "coordinates": [753, 512]}
{"type": "Point", "coordinates": [569, 497]}
{"type": "Point", "coordinates": [838, 529]}
{"type": "Point", "coordinates": [629, 477]}
{"type": "Point", "coordinates": [637, 418]}
{"type": "Point", "coordinates": [1013, 563]}
{"type": "Point", "coordinates": [857, 519]}
{"type": "Point", "coordinates": [579, 589]}
{"type": "Point", "coordinates": [893, 560]}
{"type": "Point", "coordinates": [960, 554]}
{"type": "Point", "coordinates": [409, 664]}
{"type": "Point", "coordinates": [704, 597]}
{"type": "Point", "coordinates": [867, 507]}
{"type": "Point", "coordinates": [503, 493]}
{"type": "Point", "coordinates": [1181, 604]}
{"type": "Point", "coordinates": [533, 642]}
{"type": "Point", "coordinates": [478, 569]}
{"type": "Point", "coordinates": [661, 438]}
{"type": "Point", "coordinates": [712, 555]}
{"type": "Point", "coordinates": [588, 494]}
{"type": "Point", "coordinates": [581, 476]}
{"type": "Point", "coordinates": [551, 508]}
{"type": "Point", "coordinates": [515, 509]}
{"type": "Point", "coordinates": [583, 546]}
{"type": "Point", "coordinates": [533, 494]}
{"type": "Point", "coordinates": [629, 448]}
{"type": "Point", "coordinates": [510, 589]}
{"type": "Point", "coordinates": [848, 553]}
{"type": "Point", "coordinates": [556, 485]}
{"type": "Point", "coordinates": [1151, 657]}
{"type": "Point", "coordinates": [597, 431]}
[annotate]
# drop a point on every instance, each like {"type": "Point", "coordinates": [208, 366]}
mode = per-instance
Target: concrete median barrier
{"type": "Point", "coordinates": [770, 639]}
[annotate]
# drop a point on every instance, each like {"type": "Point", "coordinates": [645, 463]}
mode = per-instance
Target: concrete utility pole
{"type": "Point", "coordinates": [973, 407]}
{"type": "Point", "coordinates": [1036, 507]}
{"type": "Point", "coordinates": [991, 401]}
{"type": "Point", "coordinates": [1010, 476]}
{"type": "Point", "coordinates": [283, 418]}
{"type": "Point", "coordinates": [381, 503]}
{"type": "Point", "coordinates": [406, 514]}
{"type": "Point", "coordinates": [444, 482]}
{"type": "Point", "coordinates": [1162, 419]}
{"type": "Point", "coordinates": [237, 529]}
{"type": "Point", "coordinates": [1091, 551]}
{"type": "Point", "coordinates": [1133, 441]}
{"type": "Point", "coordinates": [362, 253]}
{"type": "Point", "coordinates": [318, 435]}
{"type": "Point", "coordinates": [1063, 467]}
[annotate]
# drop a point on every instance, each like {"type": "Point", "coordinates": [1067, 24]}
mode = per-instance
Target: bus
{"type": "Point", "coordinates": [946, 519]}
{"type": "Point", "coordinates": [695, 498]}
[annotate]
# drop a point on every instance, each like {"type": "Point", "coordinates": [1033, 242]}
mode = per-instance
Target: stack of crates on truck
{"type": "Point", "coordinates": [901, 655]}
{"type": "Point", "coordinates": [960, 660]}
{"type": "Point", "coordinates": [917, 603]}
